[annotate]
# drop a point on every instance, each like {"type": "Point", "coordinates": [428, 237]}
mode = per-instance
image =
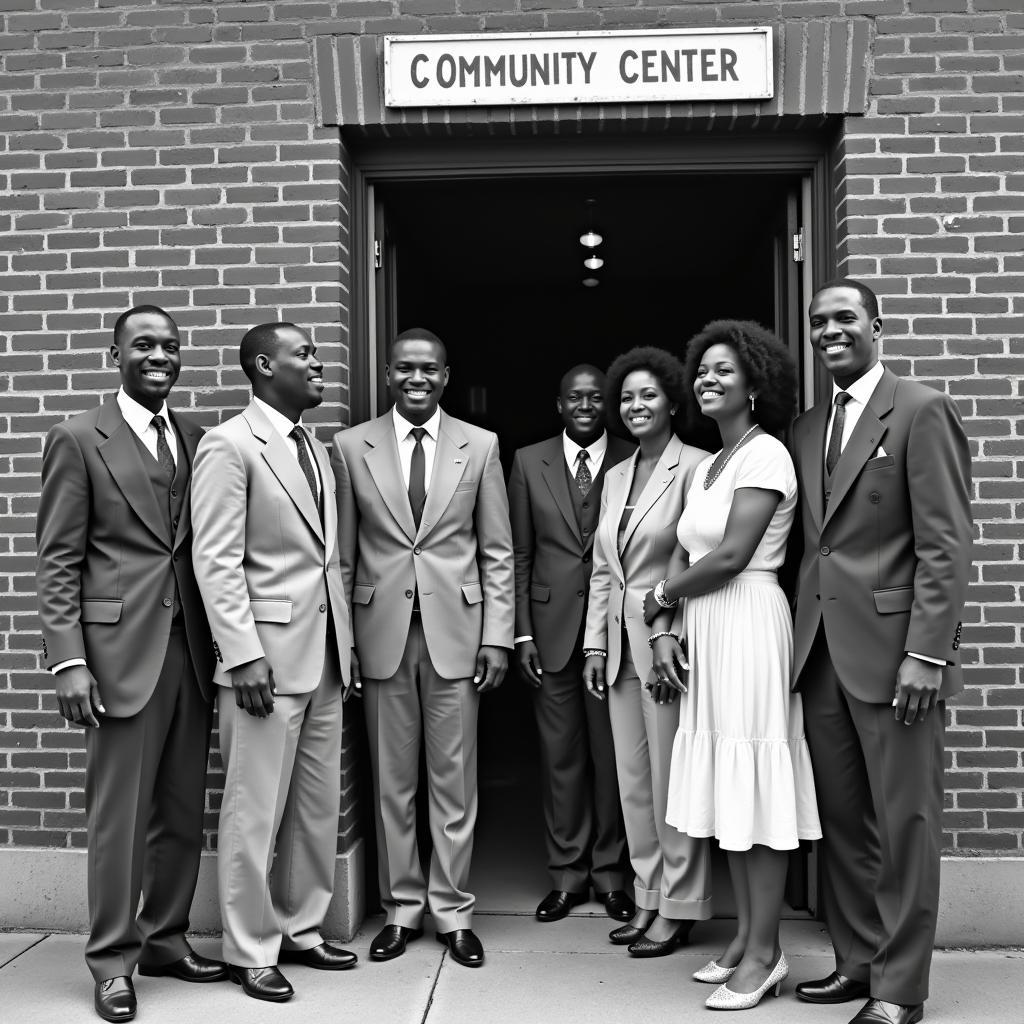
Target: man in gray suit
{"type": "Point", "coordinates": [266, 532]}
{"type": "Point", "coordinates": [426, 552]}
{"type": "Point", "coordinates": [554, 498]}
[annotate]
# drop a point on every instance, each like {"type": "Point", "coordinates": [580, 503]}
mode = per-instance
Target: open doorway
{"type": "Point", "coordinates": [495, 267]}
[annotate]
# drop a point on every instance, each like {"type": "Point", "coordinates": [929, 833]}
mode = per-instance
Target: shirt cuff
{"type": "Point", "coordinates": [924, 657]}
{"type": "Point", "coordinates": [521, 639]}
{"type": "Point", "coordinates": [60, 666]}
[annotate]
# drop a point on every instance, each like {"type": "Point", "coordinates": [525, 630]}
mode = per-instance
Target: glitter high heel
{"type": "Point", "coordinates": [713, 973]}
{"type": "Point", "coordinates": [723, 998]}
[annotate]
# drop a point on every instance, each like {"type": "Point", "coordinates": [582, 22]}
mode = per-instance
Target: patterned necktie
{"type": "Point", "coordinates": [163, 449]}
{"type": "Point", "coordinates": [584, 480]}
{"type": "Point", "coordinates": [835, 442]}
{"type": "Point", "coordinates": [418, 475]}
{"type": "Point", "coordinates": [297, 435]}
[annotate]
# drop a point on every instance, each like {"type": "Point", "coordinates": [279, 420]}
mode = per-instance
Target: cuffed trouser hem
{"type": "Point", "coordinates": [646, 899]}
{"type": "Point", "coordinates": [684, 910]}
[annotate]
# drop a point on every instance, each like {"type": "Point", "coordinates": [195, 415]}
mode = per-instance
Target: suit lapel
{"type": "Point", "coordinates": [284, 465]}
{"type": "Point", "coordinates": [553, 472]}
{"type": "Point", "coordinates": [812, 459]}
{"type": "Point", "coordinates": [663, 475]}
{"type": "Point", "coordinates": [864, 440]}
{"type": "Point", "coordinates": [330, 507]}
{"type": "Point", "coordinates": [385, 469]}
{"type": "Point", "coordinates": [121, 455]}
{"type": "Point", "coordinates": [189, 435]}
{"type": "Point", "coordinates": [618, 482]}
{"type": "Point", "coordinates": [449, 464]}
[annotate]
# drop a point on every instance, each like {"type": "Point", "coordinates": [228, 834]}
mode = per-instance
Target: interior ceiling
{"type": "Point", "coordinates": [679, 228]}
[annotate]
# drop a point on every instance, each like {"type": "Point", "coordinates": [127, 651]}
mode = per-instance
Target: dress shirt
{"type": "Point", "coordinates": [284, 427]}
{"type": "Point", "coordinates": [406, 443]}
{"type": "Point", "coordinates": [140, 419]}
{"type": "Point", "coordinates": [595, 453]}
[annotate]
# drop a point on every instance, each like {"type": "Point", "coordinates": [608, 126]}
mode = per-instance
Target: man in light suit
{"type": "Point", "coordinates": [266, 534]}
{"type": "Point", "coordinates": [125, 634]}
{"type": "Point", "coordinates": [554, 500]}
{"type": "Point", "coordinates": [884, 469]}
{"type": "Point", "coordinates": [426, 551]}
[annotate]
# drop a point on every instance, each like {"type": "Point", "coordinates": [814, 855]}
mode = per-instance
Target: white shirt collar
{"type": "Point", "coordinates": [403, 426]}
{"type": "Point", "coordinates": [595, 451]}
{"type": "Point", "coordinates": [278, 421]}
{"type": "Point", "coordinates": [137, 416]}
{"type": "Point", "coordinates": [863, 387]}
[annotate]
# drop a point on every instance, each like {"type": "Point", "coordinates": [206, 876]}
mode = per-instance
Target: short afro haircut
{"type": "Point", "coordinates": [656, 361]}
{"type": "Point", "coordinates": [868, 299]}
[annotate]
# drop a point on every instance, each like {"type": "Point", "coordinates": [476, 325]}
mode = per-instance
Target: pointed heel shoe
{"type": "Point", "coordinates": [645, 947]}
{"type": "Point", "coordinates": [723, 998]}
{"type": "Point", "coordinates": [713, 973]}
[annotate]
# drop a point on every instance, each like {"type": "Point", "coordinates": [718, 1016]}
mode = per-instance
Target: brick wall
{"type": "Point", "coordinates": [168, 152]}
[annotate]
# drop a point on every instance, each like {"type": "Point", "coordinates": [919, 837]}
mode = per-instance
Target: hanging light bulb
{"type": "Point", "coordinates": [590, 282]}
{"type": "Point", "coordinates": [593, 262]}
{"type": "Point", "coordinates": [591, 239]}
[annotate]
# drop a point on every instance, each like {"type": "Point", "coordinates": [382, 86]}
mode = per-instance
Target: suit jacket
{"type": "Point", "coordinates": [885, 566]}
{"type": "Point", "coordinates": [459, 559]}
{"type": "Point", "coordinates": [619, 582]}
{"type": "Point", "coordinates": [552, 578]}
{"type": "Point", "coordinates": [107, 568]}
{"type": "Point", "coordinates": [266, 564]}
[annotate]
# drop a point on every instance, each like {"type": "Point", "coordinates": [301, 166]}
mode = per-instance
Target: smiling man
{"type": "Point", "coordinates": [266, 530]}
{"type": "Point", "coordinates": [126, 637]}
{"type": "Point", "coordinates": [884, 471]}
{"type": "Point", "coordinates": [426, 552]}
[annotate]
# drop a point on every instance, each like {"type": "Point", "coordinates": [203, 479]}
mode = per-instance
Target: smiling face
{"type": "Point", "coordinates": [581, 406]}
{"type": "Point", "coordinates": [292, 376]}
{"type": "Point", "coordinates": [720, 385]}
{"type": "Point", "coordinates": [843, 334]}
{"type": "Point", "coordinates": [416, 378]}
{"type": "Point", "coordinates": [643, 405]}
{"type": "Point", "coordinates": [147, 355]}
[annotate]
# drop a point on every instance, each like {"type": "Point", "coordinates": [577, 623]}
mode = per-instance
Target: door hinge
{"type": "Point", "coordinates": [376, 255]}
{"type": "Point", "coordinates": [798, 246]}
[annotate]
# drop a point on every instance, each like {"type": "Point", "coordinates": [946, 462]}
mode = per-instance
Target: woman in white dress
{"type": "Point", "coordinates": [741, 771]}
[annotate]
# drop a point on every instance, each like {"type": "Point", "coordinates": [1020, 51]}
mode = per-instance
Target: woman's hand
{"type": "Point", "coordinates": [661, 691]}
{"type": "Point", "coordinates": [651, 607]}
{"type": "Point", "coordinates": [593, 676]}
{"type": "Point", "coordinates": [670, 666]}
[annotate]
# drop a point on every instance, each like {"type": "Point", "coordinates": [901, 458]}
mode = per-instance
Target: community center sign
{"type": "Point", "coordinates": [497, 69]}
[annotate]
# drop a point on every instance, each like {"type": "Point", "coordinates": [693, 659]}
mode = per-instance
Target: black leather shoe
{"type": "Point", "coordinates": [618, 904]}
{"type": "Point", "coordinates": [390, 941]}
{"type": "Point", "coordinates": [645, 947]}
{"type": "Point", "coordinates": [262, 983]}
{"type": "Point", "coordinates": [114, 999]}
{"type": "Point", "coordinates": [191, 967]}
{"type": "Point", "coordinates": [626, 934]}
{"type": "Point", "coordinates": [325, 957]}
{"type": "Point", "coordinates": [557, 905]}
{"type": "Point", "coordinates": [464, 946]}
{"type": "Point", "coordinates": [878, 1011]}
{"type": "Point", "coordinates": [836, 988]}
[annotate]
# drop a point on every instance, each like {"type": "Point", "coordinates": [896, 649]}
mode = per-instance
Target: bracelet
{"type": "Point", "coordinates": [594, 652]}
{"type": "Point", "coordinates": [659, 596]}
{"type": "Point", "coordinates": [658, 636]}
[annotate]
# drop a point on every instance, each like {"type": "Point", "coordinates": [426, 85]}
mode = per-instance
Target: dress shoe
{"type": "Point", "coordinates": [713, 973]}
{"type": "Point", "coordinates": [325, 957]}
{"type": "Point", "coordinates": [618, 905]}
{"type": "Point", "coordinates": [557, 905]}
{"type": "Point", "coordinates": [625, 935]}
{"type": "Point", "coordinates": [115, 999]}
{"type": "Point", "coordinates": [645, 947]}
{"type": "Point", "coordinates": [191, 967]}
{"type": "Point", "coordinates": [390, 941]}
{"type": "Point", "coordinates": [836, 988]}
{"type": "Point", "coordinates": [723, 998]}
{"type": "Point", "coordinates": [464, 946]}
{"type": "Point", "coordinates": [262, 983]}
{"type": "Point", "coordinates": [878, 1011]}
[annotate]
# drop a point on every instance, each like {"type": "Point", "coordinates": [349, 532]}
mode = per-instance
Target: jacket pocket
{"type": "Point", "coordinates": [894, 599]}
{"type": "Point", "coordinates": [101, 611]}
{"type": "Point", "coordinates": [271, 611]}
{"type": "Point", "coordinates": [362, 593]}
{"type": "Point", "coordinates": [472, 592]}
{"type": "Point", "coordinates": [538, 592]}
{"type": "Point", "coordinates": [880, 463]}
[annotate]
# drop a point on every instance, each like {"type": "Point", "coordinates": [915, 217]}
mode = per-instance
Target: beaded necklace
{"type": "Point", "coordinates": [712, 477]}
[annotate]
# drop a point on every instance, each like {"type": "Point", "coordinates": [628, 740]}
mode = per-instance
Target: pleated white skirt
{"type": "Point", "coordinates": [741, 771]}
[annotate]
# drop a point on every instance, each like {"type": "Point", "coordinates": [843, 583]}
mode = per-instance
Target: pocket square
{"type": "Point", "coordinates": [880, 454]}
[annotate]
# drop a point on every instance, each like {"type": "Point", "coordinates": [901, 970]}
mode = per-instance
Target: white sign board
{"type": "Point", "coordinates": [671, 65]}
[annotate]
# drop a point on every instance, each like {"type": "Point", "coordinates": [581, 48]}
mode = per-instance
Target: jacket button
{"type": "Point", "coordinates": [167, 602]}
{"type": "Point", "coordinates": [579, 593]}
{"type": "Point", "coordinates": [586, 504]}
{"type": "Point", "coordinates": [616, 618]}
{"type": "Point", "coordinates": [323, 607]}
{"type": "Point", "coordinates": [408, 593]}
{"type": "Point", "coordinates": [825, 549]}
{"type": "Point", "coordinates": [174, 523]}
{"type": "Point", "coordinates": [174, 493]}
{"type": "Point", "coordinates": [621, 586]}
{"type": "Point", "coordinates": [586, 532]}
{"type": "Point", "coordinates": [416, 551]}
{"type": "Point", "coordinates": [874, 497]}
{"type": "Point", "coordinates": [586, 559]}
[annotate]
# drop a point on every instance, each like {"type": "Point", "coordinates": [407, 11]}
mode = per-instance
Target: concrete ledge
{"type": "Point", "coordinates": [981, 902]}
{"type": "Point", "coordinates": [45, 890]}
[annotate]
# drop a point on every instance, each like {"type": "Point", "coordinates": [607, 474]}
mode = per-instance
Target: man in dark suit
{"type": "Point", "coordinates": [125, 634]}
{"type": "Point", "coordinates": [554, 499]}
{"type": "Point", "coordinates": [884, 470]}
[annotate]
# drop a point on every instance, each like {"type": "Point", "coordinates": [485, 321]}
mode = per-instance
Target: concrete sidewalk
{"type": "Point", "coordinates": [564, 973]}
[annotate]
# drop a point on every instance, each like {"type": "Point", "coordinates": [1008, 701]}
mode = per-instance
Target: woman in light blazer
{"type": "Point", "coordinates": [641, 503]}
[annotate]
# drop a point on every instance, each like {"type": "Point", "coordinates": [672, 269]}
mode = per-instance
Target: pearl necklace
{"type": "Point", "coordinates": [712, 477]}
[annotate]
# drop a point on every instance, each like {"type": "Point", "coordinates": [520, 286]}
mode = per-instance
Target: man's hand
{"type": "Point", "coordinates": [528, 659]}
{"type": "Point", "coordinates": [254, 688]}
{"type": "Point", "coordinates": [669, 664]}
{"type": "Point", "coordinates": [917, 689]}
{"type": "Point", "coordinates": [355, 679]}
{"type": "Point", "coordinates": [491, 666]}
{"type": "Point", "coordinates": [593, 676]}
{"type": "Point", "coordinates": [78, 694]}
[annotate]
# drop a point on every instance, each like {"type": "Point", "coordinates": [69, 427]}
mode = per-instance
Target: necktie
{"type": "Point", "coordinates": [418, 475]}
{"type": "Point", "coordinates": [163, 449]}
{"type": "Point", "coordinates": [835, 442]}
{"type": "Point", "coordinates": [305, 465]}
{"type": "Point", "coordinates": [584, 480]}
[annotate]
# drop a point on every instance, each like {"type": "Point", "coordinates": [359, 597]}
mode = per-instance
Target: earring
{"type": "Point", "coordinates": [751, 403]}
